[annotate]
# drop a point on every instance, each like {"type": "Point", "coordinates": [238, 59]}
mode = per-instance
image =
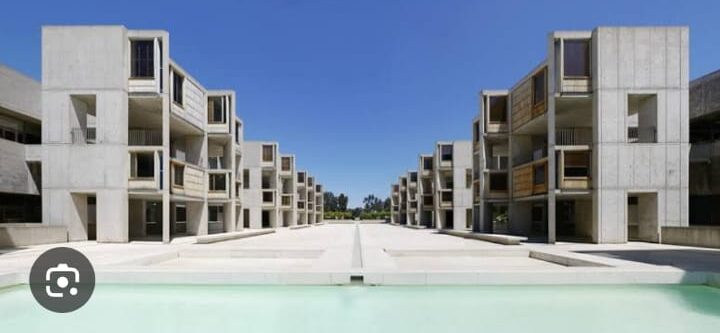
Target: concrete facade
{"type": "Point", "coordinates": [20, 167]}
{"type": "Point", "coordinates": [596, 139]}
{"type": "Point", "coordinates": [139, 149]}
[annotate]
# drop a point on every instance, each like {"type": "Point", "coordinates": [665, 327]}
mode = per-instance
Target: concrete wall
{"type": "Point", "coordinates": [15, 175]}
{"type": "Point", "coordinates": [23, 234]}
{"type": "Point", "coordinates": [19, 93]}
{"type": "Point", "coordinates": [100, 168]}
{"type": "Point", "coordinates": [692, 236]}
{"type": "Point", "coordinates": [639, 61]}
{"type": "Point", "coordinates": [705, 95]}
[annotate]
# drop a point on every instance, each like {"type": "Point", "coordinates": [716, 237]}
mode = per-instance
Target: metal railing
{"type": "Point", "coordinates": [83, 135]}
{"type": "Point", "coordinates": [642, 134]}
{"type": "Point", "coordinates": [141, 137]}
{"type": "Point", "coordinates": [573, 136]}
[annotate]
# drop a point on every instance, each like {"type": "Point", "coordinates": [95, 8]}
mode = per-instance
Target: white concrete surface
{"type": "Point", "coordinates": [380, 253]}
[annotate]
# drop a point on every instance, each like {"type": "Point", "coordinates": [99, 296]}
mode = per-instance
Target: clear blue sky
{"type": "Point", "coordinates": [356, 89]}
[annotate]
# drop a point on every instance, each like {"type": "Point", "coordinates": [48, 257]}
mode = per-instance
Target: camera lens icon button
{"type": "Point", "coordinates": [62, 279]}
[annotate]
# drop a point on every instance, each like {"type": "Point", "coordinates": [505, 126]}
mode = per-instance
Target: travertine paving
{"type": "Point", "coordinates": [379, 253]}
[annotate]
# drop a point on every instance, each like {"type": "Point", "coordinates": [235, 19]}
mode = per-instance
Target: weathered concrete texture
{"type": "Point", "coordinates": [703, 236]}
{"type": "Point", "coordinates": [19, 93]}
{"type": "Point", "coordinates": [24, 234]}
{"type": "Point", "coordinates": [705, 95]}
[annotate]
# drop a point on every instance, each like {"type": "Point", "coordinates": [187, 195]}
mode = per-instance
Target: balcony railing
{"type": "Point", "coordinates": [141, 137]}
{"type": "Point", "coordinates": [83, 135]}
{"type": "Point", "coordinates": [642, 134]}
{"type": "Point", "coordinates": [573, 136]}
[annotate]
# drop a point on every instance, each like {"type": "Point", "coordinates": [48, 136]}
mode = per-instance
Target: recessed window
{"type": "Point", "coordinates": [476, 131]}
{"type": "Point", "coordinates": [285, 163]}
{"type": "Point", "coordinates": [143, 165]}
{"type": "Point", "coordinates": [178, 81]}
{"type": "Point", "coordinates": [218, 182]}
{"type": "Point", "coordinates": [539, 174]}
{"type": "Point", "coordinates": [577, 164]}
{"type": "Point", "coordinates": [179, 175]}
{"type": "Point", "coordinates": [246, 178]}
{"type": "Point", "coordinates": [142, 63]}
{"type": "Point", "coordinates": [301, 177]}
{"type": "Point", "coordinates": [498, 109]}
{"type": "Point", "coordinates": [427, 163]}
{"type": "Point", "coordinates": [576, 57]}
{"type": "Point", "coordinates": [216, 110]}
{"type": "Point", "coordinates": [498, 182]}
{"type": "Point", "coordinates": [539, 93]}
{"type": "Point", "coordinates": [468, 178]}
{"type": "Point", "coordinates": [267, 153]}
{"type": "Point", "coordinates": [268, 197]}
{"type": "Point", "coordinates": [446, 153]}
{"type": "Point", "coordinates": [642, 118]}
{"type": "Point", "coordinates": [215, 213]}
{"type": "Point", "coordinates": [413, 177]}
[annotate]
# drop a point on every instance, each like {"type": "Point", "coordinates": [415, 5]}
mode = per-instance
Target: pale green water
{"type": "Point", "coordinates": [147, 308]}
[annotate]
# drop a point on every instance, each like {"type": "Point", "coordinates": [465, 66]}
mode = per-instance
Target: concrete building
{"type": "Point", "coordinates": [142, 149]}
{"type": "Point", "coordinates": [705, 150]}
{"type": "Point", "coordinates": [453, 185]}
{"type": "Point", "coordinates": [411, 192]}
{"type": "Point", "coordinates": [139, 149]}
{"type": "Point", "coordinates": [20, 153]}
{"type": "Point", "coordinates": [395, 203]}
{"type": "Point", "coordinates": [426, 191]}
{"type": "Point", "coordinates": [590, 145]}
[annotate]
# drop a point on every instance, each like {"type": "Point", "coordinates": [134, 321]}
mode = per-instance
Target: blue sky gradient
{"type": "Point", "coordinates": [357, 89]}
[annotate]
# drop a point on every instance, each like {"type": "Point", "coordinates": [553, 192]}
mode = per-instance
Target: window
{"type": "Point", "coordinates": [576, 57]}
{"type": "Point", "coordinates": [498, 182]}
{"type": "Point", "coordinates": [153, 212]}
{"type": "Point", "coordinates": [446, 153]}
{"type": "Point", "coordinates": [539, 94]}
{"type": "Point", "coordinates": [180, 219]}
{"type": "Point", "coordinates": [539, 174]}
{"type": "Point", "coordinates": [268, 197]}
{"type": "Point", "coordinates": [413, 177]}
{"type": "Point", "coordinates": [446, 197]}
{"type": "Point", "coordinates": [468, 178]}
{"type": "Point", "coordinates": [177, 90]}
{"type": "Point", "coordinates": [403, 181]}
{"type": "Point", "coordinates": [215, 213]}
{"type": "Point", "coordinates": [215, 162]}
{"type": "Point", "coordinates": [498, 109]}
{"type": "Point", "coordinates": [216, 112]}
{"type": "Point", "coordinates": [285, 164]}
{"type": "Point", "coordinates": [246, 178]}
{"type": "Point", "coordinates": [476, 131]}
{"type": "Point", "coordinates": [143, 165]}
{"type": "Point", "coordinates": [427, 163]}
{"type": "Point", "coordinates": [237, 133]}
{"type": "Point", "coordinates": [143, 59]}
{"type": "Point", "coordinates": [179, 177]}
{"type": "Point", "coordinates": [577, 164]}
{"type": "Point", "coordinates": [267, 153]}
{"type": "Point", "coordinates": [642, 118]}
{"type": "Point", "coordinates": [428, 200]}
{"type": "Point", "coordinates": [301, 177]}
{"type": "Point", "coordinates": [218, 182]}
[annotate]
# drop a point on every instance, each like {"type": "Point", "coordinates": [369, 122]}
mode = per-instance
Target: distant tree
{"type": "Point", "coordinates": [330, 202]}
{"type": "Point", "coordinates": [386, 204]}
{"type": "Point", "coordinates": [342, 202]}
{"type": "Point", "coordinates": [372, 203]}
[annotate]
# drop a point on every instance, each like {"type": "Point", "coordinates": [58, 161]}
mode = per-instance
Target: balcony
{"type": "Point", "coordinates": [144, 137]}
{"type": "Point", "coordinates": [577, 136]}
{"type": "Point", "coordinates": [530, 178]}
{"type": "Point", "coordinates": [529, 99]}
{"type": "Point", "coordinates": [82, 135]}
{"type": "Point", "coordinates": [575, 167]}
{"type": "Point", "coordinates": [187, 179]}
{"type": "Point", "coordinates": [145, 171]}
{"type": "Point", "coordinates": [446, 198]}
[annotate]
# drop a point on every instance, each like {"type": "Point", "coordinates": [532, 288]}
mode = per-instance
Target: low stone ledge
{"type": "Point", "coordinates": [302, 226]}
{"type": "Point", "coordinates": [231, 235]}
{"type": "Point", "coordinates": [565, 259]}
{"type": "Point", "coordinates": [24, 234]}
{"type": "Point", "coordinates": [415, 226]}
{"type": "Point", "coordinates": [702, 236]}
{"type": "Point", "coordinates": [493, 238]}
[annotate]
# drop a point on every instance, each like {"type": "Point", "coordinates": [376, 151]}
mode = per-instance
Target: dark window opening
{"type": "Point", "coordinates": [144, 166]}
{"type": "Point", "coordinates": [179, 177]}
{"type": "Point", "coordinates": [216, 112]}
{"type": "Point", "coordinates": [446, 153]}
{"type": "Point", "coordinates": [498, 109]}
{"type": "Point", "coordinates": [267, 153]}
{"type": "Point", "coordinates": [427, 163]}
{"type": "Point", "coordinates": [577, 164]}
{"type": "Point", "coordinates": [218, 182]}
{"type": "Point", "coordinates": [576, 57]}
{"type": "Point", "coordinates": [498, 182]}
{"type": "Point", "coordinates": [286, 163]}
{"type": "Point", "coordinates": [539, 93]}
{"type": "Point", "coordinates": [413, 177]}
{"type": "Point", "coordinates": [539, 175]}
{"type": "Point", "coordinates": [143, 59]}
{"type": "Point", "coordinates": [178, 81]}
